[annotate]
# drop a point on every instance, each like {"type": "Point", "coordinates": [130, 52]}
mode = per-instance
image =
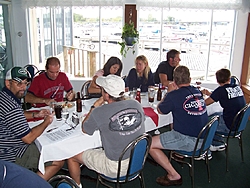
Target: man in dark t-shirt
{"type": "Point", "coordinates": [189, 117]}
{"type": "Point", "coordinates": [164, 72]}
{"type": "Point", "coordinates": [231, 99]}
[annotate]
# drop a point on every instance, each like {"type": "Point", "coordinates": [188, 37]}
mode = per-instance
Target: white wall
{"type": "Point", "coordinates": [238, 49]}
{"type": "Point", "coordinates": [20, 44]}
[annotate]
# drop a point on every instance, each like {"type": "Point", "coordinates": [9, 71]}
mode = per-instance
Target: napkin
{"type": "Point", "coordinates": [34, 119]}
{"type": "Point", "coordinates": [151, 113]}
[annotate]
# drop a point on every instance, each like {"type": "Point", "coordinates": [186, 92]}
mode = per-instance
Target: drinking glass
{"type": "Point", "coordinates": [151, 94]}
{"type": "Point", "coordinates": [65, 114]}
{"type": "Point", "coordinates": [58, 111]}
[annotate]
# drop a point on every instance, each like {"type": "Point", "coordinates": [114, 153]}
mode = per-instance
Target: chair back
{"type": "Point", "coordinates": [138, 149]}
{"type": "Point", "coordinates": [63, 181]}
{"type": "Point", "coordinates": [33, 70]}
{"type": "Point", "coordinates": [234, 80]}
{"type": "Point", "coordinates": [240, 120]}
{"type": "Point", "coordinates": [84, 90]}
{"type": "Point", "coordinates": [207, 133]}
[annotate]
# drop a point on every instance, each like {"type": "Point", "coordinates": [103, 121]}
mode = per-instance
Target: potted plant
{"type": "Point", "coordinates": [129, 38]}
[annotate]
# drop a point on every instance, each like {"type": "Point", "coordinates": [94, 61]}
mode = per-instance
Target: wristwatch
{"type": "Point", "coordinates": [92, 107]}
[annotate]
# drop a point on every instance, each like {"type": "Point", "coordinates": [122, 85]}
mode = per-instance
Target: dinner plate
{"type": "Point", "coordinates": [69, 104]}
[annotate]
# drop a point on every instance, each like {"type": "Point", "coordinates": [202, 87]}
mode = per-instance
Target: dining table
{"type": "Point", "coordinates": [63, 139]}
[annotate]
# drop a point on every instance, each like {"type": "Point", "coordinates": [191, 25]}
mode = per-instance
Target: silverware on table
{"type": "Point", "coordinates": [51, 129]}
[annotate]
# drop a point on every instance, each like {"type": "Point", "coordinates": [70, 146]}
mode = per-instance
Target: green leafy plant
{"type": "Point", "coordinates": [129, 32]}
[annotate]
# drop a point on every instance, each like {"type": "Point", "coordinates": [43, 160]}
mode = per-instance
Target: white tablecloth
{"type": "Point", "coordinates": [60, 144]}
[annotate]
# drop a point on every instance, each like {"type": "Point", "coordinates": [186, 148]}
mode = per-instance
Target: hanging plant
{"type": "Point", "coordinates": [130, 37]}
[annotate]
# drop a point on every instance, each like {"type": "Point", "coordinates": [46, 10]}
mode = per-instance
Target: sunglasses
{"type": "Point", "coordinates": [19, 84]}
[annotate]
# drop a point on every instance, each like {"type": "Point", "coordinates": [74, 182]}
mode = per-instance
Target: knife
{"type": "Point", "coordinates": [57, 89]}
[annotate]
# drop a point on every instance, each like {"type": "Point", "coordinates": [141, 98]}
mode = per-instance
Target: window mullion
{"type": "Point", "coordinates": [209, 43]}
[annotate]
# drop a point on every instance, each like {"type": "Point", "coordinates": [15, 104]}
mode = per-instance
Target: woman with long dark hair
{"type": "Point", "coordinates": [112, 66]}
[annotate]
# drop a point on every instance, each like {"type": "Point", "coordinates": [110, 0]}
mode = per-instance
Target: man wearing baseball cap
{"type": "Point", "coordinates": [17, 143]}
{"type": "Point", "coordinates": [119, 121]}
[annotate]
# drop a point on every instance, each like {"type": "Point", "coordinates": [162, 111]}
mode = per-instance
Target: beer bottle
{"type": "Point", "coordinates": [78, 103]}
{"type": "Point", "coordinates": [138, 95]}
{"type": "Point", "coordinates": [159, 93]}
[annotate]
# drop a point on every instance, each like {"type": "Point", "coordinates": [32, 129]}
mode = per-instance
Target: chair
{"type": "Point", "coordinates": [63, 181]}
{"type": "Point", "coordinates": [235, 80]}
{"type": "Point", "coordinates": [85, 93]}
{"type": "Point", "coordinates": [239, 122]}
{"type": "Point", "coordinates": [207, 132]}
{"type": "Point", "coordinates": [138, 153]}
{"type": "Point", "coordinates": [84, 90]}
{"type": "Point", "coordinates": [33, 70]}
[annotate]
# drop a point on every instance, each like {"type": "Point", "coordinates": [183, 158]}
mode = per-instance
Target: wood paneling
{"type": "Point", "coordinates": [245, 64]}
{"type": "Point", "coordinates": [131, 14]}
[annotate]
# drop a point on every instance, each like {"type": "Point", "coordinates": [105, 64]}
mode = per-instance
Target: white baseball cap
{"type": "Point", "coordinates": [112, 84]}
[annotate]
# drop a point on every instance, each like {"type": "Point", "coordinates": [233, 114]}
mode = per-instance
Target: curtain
{"type": "Point", "coordinates": [69, 3]}
{"type": "Point", "coordinates": [243, 5]}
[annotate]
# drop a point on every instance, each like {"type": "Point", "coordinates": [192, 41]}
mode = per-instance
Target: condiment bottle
{"type": "Point", "coordinates": [138, 95]}
{"type": "Point", "coordinates": [159, 93]}
{"type": "Point", "coordinates": [78, 103]}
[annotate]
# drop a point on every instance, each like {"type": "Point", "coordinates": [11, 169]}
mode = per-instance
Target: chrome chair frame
{"type": "Point", "coordinates": [138, 149]}
{"type": "Point", "coordinates": [84, 89]}
{"type": "Point", "coordinates": [63, 179]}
{"type": "Point", "coordinates": [239, 122]}
{"type": "Point", "coordinates": [207, 134]}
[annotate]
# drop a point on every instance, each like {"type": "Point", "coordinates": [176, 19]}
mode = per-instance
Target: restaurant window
{"type": "Point", "coordinates": [49, 32]}
{"type": "Point", "coordinates": [204, 38]}
{"type": "Point", "coordinates": [89, 28]}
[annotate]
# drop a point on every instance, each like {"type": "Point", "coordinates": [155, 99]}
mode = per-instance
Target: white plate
{"type": "Point", "coordinates": [69, 104]}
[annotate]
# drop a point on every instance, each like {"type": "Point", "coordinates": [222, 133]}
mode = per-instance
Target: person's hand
{"type": "Point", "coordinates": [42, 113]}
{"type": "Point", "coordinates": [49, 118]}
{"type": "Point", "coordinates": [48, 101]}
{"type": "Point", "coordinates": [205, 92]}
{"type": "Point", "coordinates": [99, 102]}
{"type": "Point", "coordinates": [172, 86]}
{"type": "Point", "coordinates": [70, 95]}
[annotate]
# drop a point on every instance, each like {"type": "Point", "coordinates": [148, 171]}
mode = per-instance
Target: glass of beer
{"type": "Point", "coordinates": [151, 94]}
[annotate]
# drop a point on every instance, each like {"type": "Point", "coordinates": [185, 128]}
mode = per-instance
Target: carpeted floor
{"type": "Point", "coordinates": [237, 177]}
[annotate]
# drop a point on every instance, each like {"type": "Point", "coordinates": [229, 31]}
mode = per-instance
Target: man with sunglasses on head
{"type": "Point", "coordinates": [16, 137]}
{"type": "Point", "coordinates": [50, 85]}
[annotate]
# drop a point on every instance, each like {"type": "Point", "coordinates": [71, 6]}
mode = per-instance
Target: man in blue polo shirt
{"type": "Point", "coordinates": [16, 138]}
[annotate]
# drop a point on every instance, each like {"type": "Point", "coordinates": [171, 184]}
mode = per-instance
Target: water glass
{"type": "Point", "coordinates": [65, 114]}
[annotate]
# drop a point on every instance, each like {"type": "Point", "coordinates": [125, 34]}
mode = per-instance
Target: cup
{"type": "Point", "coordinates": [133, 93]}
{"type": "Point", "coordinates": [58, 111]}
{"type": "Point", "coordinates": [151, 94]}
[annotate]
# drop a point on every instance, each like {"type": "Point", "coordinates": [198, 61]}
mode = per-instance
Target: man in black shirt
{"type": "Point", "coordinates": [164, 72]}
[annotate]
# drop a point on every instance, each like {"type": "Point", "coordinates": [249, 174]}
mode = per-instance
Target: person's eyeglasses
{"type": "Point", "coordinates": [19, 84]}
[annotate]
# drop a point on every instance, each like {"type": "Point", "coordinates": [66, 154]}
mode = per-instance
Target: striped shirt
{"type": "Point", "coordinates": [13, 127]}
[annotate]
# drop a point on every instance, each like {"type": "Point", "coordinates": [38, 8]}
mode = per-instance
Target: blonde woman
{"type": "Point", "coordinates": [140, 76]}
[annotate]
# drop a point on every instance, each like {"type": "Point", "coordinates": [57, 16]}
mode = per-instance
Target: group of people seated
{"type": "Point", "coordinates": [120, 121]}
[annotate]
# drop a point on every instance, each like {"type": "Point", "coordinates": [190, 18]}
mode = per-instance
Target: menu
{"type": "Point", "coordinates": [58, 134]}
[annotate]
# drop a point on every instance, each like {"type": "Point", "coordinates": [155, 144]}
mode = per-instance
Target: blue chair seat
{"type": "Point", "coordinates": [198, 153]}
{"type": "Point", "coordinates": [121, 179]}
